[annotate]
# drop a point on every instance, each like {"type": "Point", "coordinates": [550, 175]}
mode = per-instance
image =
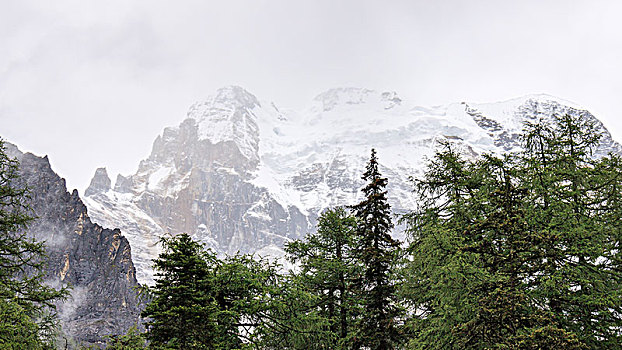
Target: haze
{"type": "Point", "coordinates": [92, 83]}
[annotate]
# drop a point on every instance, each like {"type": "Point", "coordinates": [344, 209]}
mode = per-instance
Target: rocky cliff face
{"type": "Point", "coordinates": [242, 175]}
{"type": "Point", "coordinates": [99, 183]}
{"type": "Point", "coordinates": [96, 262]}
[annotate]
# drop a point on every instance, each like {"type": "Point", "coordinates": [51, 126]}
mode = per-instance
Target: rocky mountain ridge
{"type": "Point", "coordinates": [240, 174]}
{"type": "Point", "coordinates": [95, 262]}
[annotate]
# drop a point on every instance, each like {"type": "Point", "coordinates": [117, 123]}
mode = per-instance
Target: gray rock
{"type": "Point", "coordinates": [123, 184]}
{"type": "Point", "coordinates": [95, 262]}
{"type": "Point", "coordinates": [99, 183]}
{"type": "Point", "coordinates": [243, 176]}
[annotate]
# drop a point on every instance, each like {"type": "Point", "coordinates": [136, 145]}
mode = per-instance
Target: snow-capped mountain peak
{"type": "Point", "coordinates": [230, 97]}
{"type": "Point", "coordinates": [228, 115]}
{"type": "Point", "coordinates": [346, 97]}
{"type": "Point", "coordinates": [241, 175]}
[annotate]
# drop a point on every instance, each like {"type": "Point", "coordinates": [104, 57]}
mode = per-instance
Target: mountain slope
{"type": "Point", "coordinates": [95, 262]}
{"type": "Point", "coordinates": [241, 175]}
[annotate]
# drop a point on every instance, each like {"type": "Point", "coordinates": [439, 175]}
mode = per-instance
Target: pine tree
{"type": "Point", "coordinates": [378, 253]}
{"type": "Point", "coordinates": [328, 268]}
{"type": "Point", "coordinates": [27, 309]}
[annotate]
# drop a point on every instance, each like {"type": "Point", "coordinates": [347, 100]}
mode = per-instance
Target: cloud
{"type": "Point", "coordinates": [78, 297]}
{"type": "Point", "coordinates": [92, 83]}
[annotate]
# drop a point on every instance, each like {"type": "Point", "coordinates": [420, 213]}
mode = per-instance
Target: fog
{"type": "Point", "coordinates": [92, 83]}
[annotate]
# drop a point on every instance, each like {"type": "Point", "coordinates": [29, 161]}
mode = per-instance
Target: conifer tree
{"type": "Point", "coordinates": [27, 310]}
{"type": "Point", "coordinates": [574, 202]}
{"type": "Point", "coordinates": [243, 287]}
{"type": "Point", "coordinates": [181, 313]}
{"type": "Point", "coordinates": [291, 318]}
{"type": "Point", "coordinates": [378, 253]}
{"type": "Point", "coordinates": [328, 268]}
{"type": "Point", "coordinates": [203, 302]}
{"type": "Point", "coordinates": [519, 252]}
{"type": "Point", "coordinates": [132, 340]}
{"type": "Point", "coordinates": [472, 253]}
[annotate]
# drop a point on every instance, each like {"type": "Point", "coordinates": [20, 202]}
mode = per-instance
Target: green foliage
{"type": "Point", "coordinates": [345, 288]}
{"type": "Point", "coordinates": [26, 303]}
{"type": "Point", "coordinates": [328, 269]}
{"type": "Point", "coordinates": [291, 319]}
{"type": "Point", "coordinates": [202, 302]}
{"type": "Point", "coordinates": [132, 340]}
{"type": "Point", "coordinates": [378, 253]}
{"type": "Point", "coordinates": [17, 331]}
{"type": "Point", "coordinates": [243, 288]}
{"type": "Point", "coordinates": [575, 200]}
{"type": "Point", "coordinates": [182, 312]}
{"type": "Point", "coordinates": [519, 252]}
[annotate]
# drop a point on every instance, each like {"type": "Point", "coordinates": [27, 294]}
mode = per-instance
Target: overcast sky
{"type": "Point", "coordinates": [92, 83]}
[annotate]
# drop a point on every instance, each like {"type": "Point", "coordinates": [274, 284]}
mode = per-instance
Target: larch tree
{"type": "Point", "coordinates": [27, 311]}
{"type": "Point", "coordinates": [520, 252]}
{"type": "Point", "coordinates": [472, 255]}
{"type": "Point", "coordinates": [327, 270]}
{"type": "Point", "coordinates": [574, 197]}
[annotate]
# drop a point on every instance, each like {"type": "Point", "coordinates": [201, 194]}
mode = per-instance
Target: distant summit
{"type": "Point", "coordinates": [332, 98]}
{"type": "Point", "coordinates": [99, 183]}
{"type": "Point", "coordinates": [233, 95]}
{"type": "Point", "coordinates": [239, 174]}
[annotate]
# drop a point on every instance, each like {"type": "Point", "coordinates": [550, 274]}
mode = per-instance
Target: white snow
{"type": "Point", "coordinates": [228, 116]}
{"type": "Point", "coordinates": [300, 154]}
{"type": "Point", "coordinates": [347, 123]}
{"type": "Point", "coordinates": [117, 210]}
{"type": "Point", "coordinates": [504, 112]}
{"type": "Point", "coordinates": [156, 178]}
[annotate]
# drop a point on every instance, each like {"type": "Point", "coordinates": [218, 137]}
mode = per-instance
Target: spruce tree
{"type": "Point", "coordinates": [378, 253]}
